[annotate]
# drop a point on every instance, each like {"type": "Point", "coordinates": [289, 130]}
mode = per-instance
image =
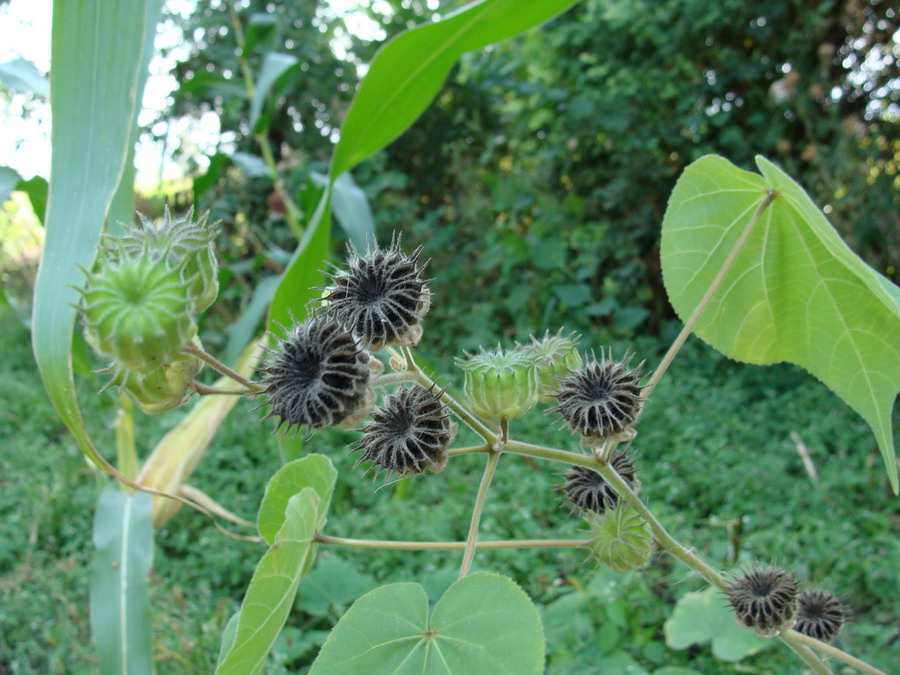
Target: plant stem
{"type": "Point", "coordinates": [808, 657]}
{"type": "Point", "coordinates": [394, 378]}
{"type": "Point", "coordinates": [471, 450]}
{"type": "Point", "coordinates": [448, 545]}
{"type": "Point", "coordinates": [204, 390]}
{"type": "Point", "coordinates": [792, 636]}
{"type": "Point", "coordinates": [472, 539]}
{"type": "Point", "coordinates": [698, 311]}
{"type": "Point", "coordinates": [666, 540]}
{"type": "Point", "coordinates": [470, 420]}
{"type": "Point", "coordinates": [215, 364]}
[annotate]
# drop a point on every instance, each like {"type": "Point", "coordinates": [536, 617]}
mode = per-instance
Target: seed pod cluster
{"type": "Point", "coordinates": [620, 538]}
{"type": "Point", "coordinates": [500, 384]}
{"type": "Point", "coordinates": [765, 599]}
{"type": "Point", "coordinates": [587, 490]}
{"type": "Point", "coordinates": [554, 356]}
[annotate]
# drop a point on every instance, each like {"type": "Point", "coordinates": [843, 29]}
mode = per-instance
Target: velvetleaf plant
{"type": "Point", "coordinates": [731, 239]}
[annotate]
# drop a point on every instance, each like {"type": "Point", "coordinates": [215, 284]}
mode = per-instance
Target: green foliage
{"type": "Point", "coordinates": [703, 617]}
{"type": "Point", "coordinates": [481, 621]}
{"type": "Point", "coordinates": [120, 607]}
{"type": "Point", "coordinates": [795, 293]}
{"type": "Point", "coordinates": [273, 587]}
{"type": "Point", "coordinates": [314, 471]}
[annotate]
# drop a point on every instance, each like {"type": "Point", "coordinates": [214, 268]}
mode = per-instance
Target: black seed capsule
{"type": "Point", "coordinates": [587, 490]}
{"type": "Point", "coordinates": [819, 615]}
{"type": "Point", "coordinates": [319, 376]}
{"type": "Point", "coordinates": [408, 434]}
{"type": "Point", "coordinates": [381, 297]}
{"type": "Point", "coordinates": [600, 400]}
{"type": "Point", "coordinates": [765, 599]}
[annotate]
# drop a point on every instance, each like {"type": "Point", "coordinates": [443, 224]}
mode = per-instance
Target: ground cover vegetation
{"type": "Point", "coordinates": [567, 143]}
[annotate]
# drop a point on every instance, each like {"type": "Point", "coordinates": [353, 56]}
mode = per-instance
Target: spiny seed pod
{"type": "Point", "coordinates": [500, 385]}
{"type": "Point", "coordinates": [381, 297]}
{"type": "Point", "coordinates": [620, 538]}
{"type": "Point", "coordinates": [162, 388]}
{"type": "Point", "coordinates": [601, 400]}
{"type": "Point", "coordinates": [587, 490]}
{"type": "Point", "coordinates": [765, 599]}
{"type": "Point", "coordinates": [180, 241]}
{"type": "Point", "coordinates": [137, 311]}
{"type": "Point", "coordinates": [554, 356]}
{"type": "Point", "coordinates": [408, 434]}
{"type": "Point", "coordinates": [319, 376]}
{"type": "Point", "coordinates": [820, 615]}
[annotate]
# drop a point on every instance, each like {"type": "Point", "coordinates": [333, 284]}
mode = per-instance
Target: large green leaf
{"type": "Point", "coordinates": [407, 72]}
{"type": "Point", "coordinates": [313, 471]}
{"type": "Point", "coordinates": [703, 617]}
{"type": "Point", "coordinates": [120, 609]}
{"type": "Point", "coordinates": [97, 55]}
{"type": "Point", "coordinates": [483, 624]}
{"type": "Point", "coordinates": [271, 593]}
{"type": "Point", "coordinates": [404, 77]}
{"type": "Point", "coordinates": [795, 293]}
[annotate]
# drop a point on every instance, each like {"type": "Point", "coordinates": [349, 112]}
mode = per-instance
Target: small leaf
{"type": "Point", "coordinates": [795, 293]}
{"type": "Point", "coordinates": [120, 608]}
{"type": "Point", "coordinates": [252, 165]}
{"type": "Point", "coordinates": [273, 588]}
{"type": "Point", "coordinates": [36, 188]}
{"type": "Point", "coordinates": [9, 179]}
{"type": "Point", "coordinates": [23, 75]}
{"type": "Point", "coordinates": [274, 66]}
{"type": "Point", "coordinates": [228, 637]}
{"type": "Point", "coordinates": [331, 586]}
{"type": "Point", "coordinates": [704, 616]}
{"type": "Point", "coordinates": [481, 622]}
{"type": "Point", "coordinates": [351, 208]}
{"type": "Point", "coordinates": [313, 471]}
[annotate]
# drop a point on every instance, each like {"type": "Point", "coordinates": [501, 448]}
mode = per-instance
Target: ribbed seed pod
{"type": "Point", "coordinates": [181, 242]}
{"type": "Point", "coordinates": [587, 490]}
{"type": "Point", "coordinates": [765, 599]}
{"type": "Point", "coordinates": [410, 433]}
{"type": "Point", "coordinates": [137, 311]}
{"type": "Point", "coordinates": [554, 356]}
{"type": "Point", "coordinates": [819, 615]}
{"type": "Point", "coordinates": [319, 376]}
{"type": "Point", "coordinates": [500, 385]}
{"type": "Point", "coordinates": [600, 400]}
{"type": "Point", "coordinates": [381, 298]}
{"type": "Point", "coordinates": [620, 538]}
{"type": "Point", "coordinates": [160, 389]}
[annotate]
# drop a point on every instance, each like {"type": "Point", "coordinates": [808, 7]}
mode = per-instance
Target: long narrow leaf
{"type": "Point", "coordinates": [120, 609]}
{"type": "Point", "coordinates": [97, 55]}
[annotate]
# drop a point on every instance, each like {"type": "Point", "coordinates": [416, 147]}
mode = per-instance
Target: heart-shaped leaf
{"type": "Point", "coordinates": [704, 617]}
{"type": "Point", "coordinates": [484, 623]}
{"type": "Point", "coordinates": [795, 293]}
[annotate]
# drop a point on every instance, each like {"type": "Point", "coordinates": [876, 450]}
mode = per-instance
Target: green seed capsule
{"type": "Point", "coordinates": [138, 312]}
{"type": "Point", "coordinates": [555, 357]}
{"type": "Point", "coordinates": [180, 242]}
{"type": "Point", "coordinates": [620, 538]}
{"type": "Point", "coordinates": [162, 388]}
{"type": "Point", "coordinates": [500, 385]}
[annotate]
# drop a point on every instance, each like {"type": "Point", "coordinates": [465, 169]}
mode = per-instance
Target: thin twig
{"type": "Point", "coordinates": [472, 539]}
{"type": "Point", "coordinates": [217, 365]}
{"type": "Point", "coordinates": [698, 311]}
{"type": "Point", "coordinates": [448, 545]}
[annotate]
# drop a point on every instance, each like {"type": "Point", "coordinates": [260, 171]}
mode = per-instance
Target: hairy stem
{"type": "Point", "coordinates": [467, 417]}
{"type": "Point", "coordinates": [471, 450]}
{"type": "Point", "coordinates": [666, 541]}
{"type": "Point", "coordinates": [710, 292]}
{"type": "Point", "coordinates": [204, 390]}
{"type": "Point", "coordinates": [793, 637]}
{"type": "Point", "coordinates": [448, 545]}
{"type": "Point", "coordinates": [215, 364]}
{"type": "Point", "coordinates": [472, 539]}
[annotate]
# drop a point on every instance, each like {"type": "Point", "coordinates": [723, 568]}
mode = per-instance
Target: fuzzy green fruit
{"type": "Point", "coordinates": [179, 242]}
{"type": "Point", "coordinates": [138, 312]}
{"type": "Point", "coordinates": [500, 385]}
{"type": "Point", "coordinates": [555, 357]}
{"type": "Point", "coordinates": [162, 388]}
{"type": "Point", "coordinates": [620, 538]}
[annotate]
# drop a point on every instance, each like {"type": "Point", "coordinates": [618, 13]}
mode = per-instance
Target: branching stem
{"type": "Point", "coordinates": [448, 545]}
